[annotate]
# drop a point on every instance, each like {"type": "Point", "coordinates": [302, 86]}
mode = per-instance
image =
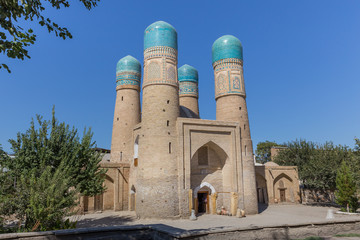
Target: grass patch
{"type": "Point", "coordinates": [348, 235]}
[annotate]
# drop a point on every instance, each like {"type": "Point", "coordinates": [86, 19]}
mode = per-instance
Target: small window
{"type": "Point", "coordinates": [168, 101]}
{"type": "Point", "coordinates": [117, 119]}
{"type": "Point", "coordinates": [203, 156]}
{"type": "Point", "coordinates": [239, 108]}
{"type": "Point", "coordinates": [120, 156]}
{"type": "Point", "coordinates": [169, 147]}
{"type": "Point", "coordinates": [245, 150]}
{"type": "Point", "coordinates": [167, 123]}
{"type": "Point", "coordinates": [122, 98]}
{"type": "Point", "coordinates": [244, 126]}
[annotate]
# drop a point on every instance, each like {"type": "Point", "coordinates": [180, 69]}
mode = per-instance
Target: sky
{"type": "Point", "coordinates": [301, 65]}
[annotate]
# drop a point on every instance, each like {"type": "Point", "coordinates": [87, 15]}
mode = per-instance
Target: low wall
{"type": "Point", "coordinates": [309, 196]}
{"type": "Point", "coordinates": [164, 232]}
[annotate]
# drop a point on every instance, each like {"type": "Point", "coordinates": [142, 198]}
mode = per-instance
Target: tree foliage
{"type": "Point", "coordinates": [317, 163]}
{"type": "Point", "coordinates": [14, 39]}
{"type": "Point", "coordinates": [346, 188]}
{"type": "Point", "coordinates": [263, 151]}
{"type": "Point", "coordinates": [51, 165]}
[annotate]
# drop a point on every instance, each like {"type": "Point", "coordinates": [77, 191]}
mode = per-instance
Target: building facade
{"type": "Point", "coordinates": [165, 160]}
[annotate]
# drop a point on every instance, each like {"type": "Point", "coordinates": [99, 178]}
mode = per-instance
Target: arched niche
{"type": "Point", "coordinates": [108, 196]}
{"type": "Point", "coordinates": [204, 185]}
{"type": "Point", "coordinates": [215, 173]}
{"type": "Point", "coordinates": [283, 191]}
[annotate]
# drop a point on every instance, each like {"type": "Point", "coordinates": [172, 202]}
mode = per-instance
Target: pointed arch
{"type": "Point", "coordinates": [214, 146]}
{"type": "Point", "coordinates": [204, 184]}
{"type": "Point", "coordinates": [282, 175]}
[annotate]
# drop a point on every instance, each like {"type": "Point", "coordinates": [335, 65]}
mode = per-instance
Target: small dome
{"type": "Point", "coordinates": [271, 164]}
{"type": "Point", "coordinates": [160, 34]}
{"type": "Point", "coordinates": [128, 63]}
{"type": "Point", "coordinates": [226, 46]}
{"type": "Point", "coordinates": [188, 73]}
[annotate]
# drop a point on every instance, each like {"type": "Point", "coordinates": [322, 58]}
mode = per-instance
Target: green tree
{"type": "Point", "coordinates": [14, 39]}
{"type": "Point", "coordinates": [317, 163]}
{"type": "Point", "coordinates": [263, 151]}
{"type": "Point", "coordinates": [50, 166]}
{"type": "Point", "coordinates": [346, 188]}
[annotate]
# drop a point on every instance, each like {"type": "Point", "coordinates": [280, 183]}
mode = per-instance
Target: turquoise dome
{"type": "Point", "coordinates": [227, 46]}
{"type": "Point", "coordinates": [188, 73]}
{"type": "Point", "coordinates": [128, 63]}
{"type": "Point", "coordinates": [160, 34]}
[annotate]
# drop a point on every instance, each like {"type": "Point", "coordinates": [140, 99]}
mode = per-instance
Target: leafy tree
{"type": "Point", "coordinates": [355, 163]}
{"type": "Point", "coordinates": [50, 166]}
{"type": "Point", "coordinates": [263, 151]}
{"type": "Point", "coordinates": [346, 188]}
{"type": "Point", "coordinates": [14, 39]}
{"type": "Point", "coordinates": [317, 163]}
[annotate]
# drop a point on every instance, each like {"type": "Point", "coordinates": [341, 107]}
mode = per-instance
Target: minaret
{"type": "Point", "coordinates": [189, 91]}
{"type": "Point", "coordinates": [156, 187]}
{"type": "Point", "coordinates": [230, 96]}
{"type": "Point", "coordinates": [127, 108]}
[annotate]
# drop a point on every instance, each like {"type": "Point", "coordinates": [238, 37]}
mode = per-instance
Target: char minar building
{"type": "Point", "coordinates": [165, 160]}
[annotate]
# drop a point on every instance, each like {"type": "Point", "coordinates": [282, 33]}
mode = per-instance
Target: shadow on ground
{"type": "Point", "coordinates": [104, 222]}
{"type": "Point", "coordinates": [262, 207]}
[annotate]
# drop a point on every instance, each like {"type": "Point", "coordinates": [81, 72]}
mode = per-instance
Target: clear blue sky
{"type": "Point", "coordinates": [301, 65]}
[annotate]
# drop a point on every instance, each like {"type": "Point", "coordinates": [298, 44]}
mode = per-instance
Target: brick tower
{"type": "Point", "coordinates": [127, 108]}
{"type": "Point", "coordinates": [230, 96]}
{"type": "Point", "coordinates": [189, 93]}
{"type": "Point", "coordinates": [157, 188]}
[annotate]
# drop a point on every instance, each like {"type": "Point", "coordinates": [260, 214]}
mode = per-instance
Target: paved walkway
{"type": "Point", "coordinates": [270, 216]}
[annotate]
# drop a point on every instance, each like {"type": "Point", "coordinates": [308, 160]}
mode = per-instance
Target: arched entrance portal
{"type": "Point", "coordinates": [203, 195]}
{"type": "Point", "coordinates": [282, 188]}
{"type": "Point", "coordinates": [211, 169]}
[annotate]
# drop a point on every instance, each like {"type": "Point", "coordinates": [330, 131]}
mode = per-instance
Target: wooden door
{"type": "Point", "coordinates": [282, 195]}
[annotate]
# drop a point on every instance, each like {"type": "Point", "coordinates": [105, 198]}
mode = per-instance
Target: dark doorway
{"type": "Point", "coordinates": [203, 200]}
{"type": "Point", "coordinates": [282, 195]}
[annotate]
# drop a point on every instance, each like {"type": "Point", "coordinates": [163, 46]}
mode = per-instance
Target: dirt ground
{"type": "Point", "coordinates": [272, 215]}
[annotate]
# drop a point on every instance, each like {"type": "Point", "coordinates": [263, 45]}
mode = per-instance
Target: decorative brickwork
{"type": "Point", "coordinates": [188, 89]}
{"type": "Point", "coordinates": [159, 65]}
{"type": "Point", "coordinates": [128, 79]}
{"type": "Point", "coordinates": [229, 77]}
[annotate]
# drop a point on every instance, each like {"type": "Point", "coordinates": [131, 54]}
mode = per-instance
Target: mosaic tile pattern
{"type": "Point", "coordinates": [160, 66]}
{"type": "Point", "coordinates": [188, 89]}
{"type": "Point", "coordinates": [153, 71]}
{"type": "Point", "coordinates": [171, 74]}
{"type": "Point", "coordinates": [229, 77]}
{"type": "Point", "coordinates": [156, 52]}
{"type": "Point", "coordinates": [128, 73]}
{"type": "Point", "coordinates": [128, 79]}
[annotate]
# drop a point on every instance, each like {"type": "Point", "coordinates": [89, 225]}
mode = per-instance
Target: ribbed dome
{"type": "Point", "coordinates": [160, 34]}
{"type": "Point", "coordinates": [128, 63]}
{"type": "Point", "coordinates": [227, 46]}
{"type": "Point", "coordinates": [188, 73]}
